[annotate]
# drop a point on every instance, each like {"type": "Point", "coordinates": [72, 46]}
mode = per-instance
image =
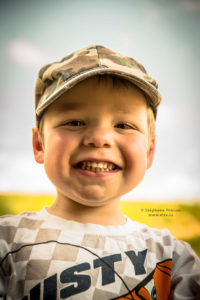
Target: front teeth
{"type": "Point", "coordinates": [97, 166]}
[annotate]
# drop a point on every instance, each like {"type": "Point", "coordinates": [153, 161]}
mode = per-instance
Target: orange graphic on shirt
{"type": "Point", "coordinates": [162, 278]}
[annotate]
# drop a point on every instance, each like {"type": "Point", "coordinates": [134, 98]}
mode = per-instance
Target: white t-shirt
{"type": "Point", "coordinates": [44, 257]}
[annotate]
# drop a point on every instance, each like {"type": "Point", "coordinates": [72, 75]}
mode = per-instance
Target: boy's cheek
{"type": "Point", "coordinates": [135, 154]}
{"type": "Point", "coordinates": [58, 150]}
{"type": "Point", "coordinates": [134, 146]}
{"type": "Point", "coordinates": [58, 140]}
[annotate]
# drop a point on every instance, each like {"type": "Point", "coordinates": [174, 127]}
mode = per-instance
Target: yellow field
{"type": "Point", "coordinates": [183, 220]}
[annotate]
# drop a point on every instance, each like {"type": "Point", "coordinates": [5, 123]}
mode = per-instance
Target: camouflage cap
{"type": "Point", "coordinates": [56, 78]}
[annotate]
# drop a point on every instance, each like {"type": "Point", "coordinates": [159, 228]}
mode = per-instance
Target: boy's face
{"type": "Point", "coordinates": [95, 142]}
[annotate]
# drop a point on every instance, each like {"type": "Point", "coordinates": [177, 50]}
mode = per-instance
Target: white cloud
{"type": "Point", "coordinates": [127, 42]}
{"type": "Point", "coordinates": [166, 118]}
{"type": "Point", "coordinates": [25, 53]}
{"type": "Point", "coordinates": [181, 184]}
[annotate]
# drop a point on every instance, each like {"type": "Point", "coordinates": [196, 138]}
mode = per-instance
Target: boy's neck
{"type": "Point", "coordinates": [106, 215]}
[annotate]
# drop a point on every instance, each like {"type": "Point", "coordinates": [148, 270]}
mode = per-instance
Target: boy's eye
{"type": "Point", "coordinates": [75, 123]}
{"type": "Point", "coordinates": [124, 126]}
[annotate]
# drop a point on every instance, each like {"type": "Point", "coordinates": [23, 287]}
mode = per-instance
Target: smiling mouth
{"type": "Point", "coordinates": [93, 166]}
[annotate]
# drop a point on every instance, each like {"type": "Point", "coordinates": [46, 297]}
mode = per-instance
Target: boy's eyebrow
{"type": "Point", "coordinates": [123, 109]}
{"type": "Point", "coordinates": [69, 106]}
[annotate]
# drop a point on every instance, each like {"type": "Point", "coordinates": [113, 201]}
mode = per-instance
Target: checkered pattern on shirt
{"type": "Point", "coordinates": [38, 260]}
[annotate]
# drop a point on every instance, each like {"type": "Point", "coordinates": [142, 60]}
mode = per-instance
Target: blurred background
{"type": "Point", "coordinates": [161, 34]}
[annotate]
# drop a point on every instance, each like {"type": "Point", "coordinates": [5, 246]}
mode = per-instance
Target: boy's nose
{"type": "Point", "coordinates": [99, 138]}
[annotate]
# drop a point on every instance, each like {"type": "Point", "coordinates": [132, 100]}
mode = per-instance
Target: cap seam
{"type": "Point", "coordinates": [99, 60]}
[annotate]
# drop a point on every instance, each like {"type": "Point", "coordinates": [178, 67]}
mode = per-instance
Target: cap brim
{"type": "Point", "coordinates": [147, 88]}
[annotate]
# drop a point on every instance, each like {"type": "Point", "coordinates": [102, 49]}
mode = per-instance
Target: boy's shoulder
{"type": "Point", "coordinates": [152, 235]}
{"type": "Point", "coordinates": [35, 220]}
{"type": "Point", "coordinates": [28, 226]}
{"type": "Point", "coordinates": [20, 220]}
{"type": "Point", "coordinates": [40, 227]}
{"type": "Point", "coordinates": [12, 226]}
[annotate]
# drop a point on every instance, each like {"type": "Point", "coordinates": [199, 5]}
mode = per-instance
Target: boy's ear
{"type": "Point", "coordinates": [150, 153]}
{"type": "Point", "coordinates": [37, 146]}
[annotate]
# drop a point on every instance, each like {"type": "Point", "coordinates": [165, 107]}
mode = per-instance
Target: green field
{"type": "Point", "coordinates": [181, 218]}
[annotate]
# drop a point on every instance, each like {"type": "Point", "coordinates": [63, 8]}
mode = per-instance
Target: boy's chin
{"type": "Point", "coordinates": [90, 199]}
{"type": "Point", "coordinates": [96, 196]}
{"type": "Point", "coordinates": [93, 201]}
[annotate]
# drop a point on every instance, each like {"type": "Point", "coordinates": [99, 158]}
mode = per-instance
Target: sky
{"type": "Point", "coordinates": [161, 34]}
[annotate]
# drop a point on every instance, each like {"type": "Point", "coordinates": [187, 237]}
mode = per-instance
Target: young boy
{"type": "Point", "coordinates": [95, 135]}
